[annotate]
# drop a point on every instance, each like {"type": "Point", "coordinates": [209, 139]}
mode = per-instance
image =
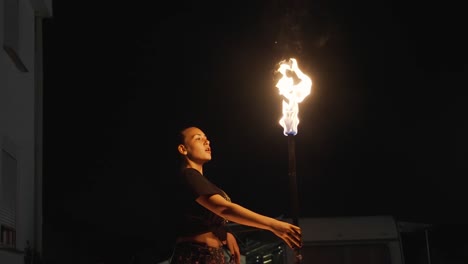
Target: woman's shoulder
{"type": "Point", "coordinates": [189, 171]}
{"type": "Point", "coordinates": [191, 175]}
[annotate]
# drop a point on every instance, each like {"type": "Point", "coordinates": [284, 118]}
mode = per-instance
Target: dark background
{"type": "Point", "coordinates": [383, 132]}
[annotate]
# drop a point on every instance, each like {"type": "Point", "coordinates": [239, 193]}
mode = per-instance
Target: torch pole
{"type": "Point", "coordinates": [293, 189]}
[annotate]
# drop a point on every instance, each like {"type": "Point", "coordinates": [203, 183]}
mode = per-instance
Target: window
{"type": "Point", "coordinates": [8, 237]}
{"type": "Point", "coordinates": [8, 199]}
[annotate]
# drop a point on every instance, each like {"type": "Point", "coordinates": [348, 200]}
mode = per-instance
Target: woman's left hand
{"type": "Point", "coordinates": [231, 243]}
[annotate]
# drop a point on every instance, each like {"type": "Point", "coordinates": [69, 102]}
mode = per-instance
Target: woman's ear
{"type": "Point", "coordinates": [182, 149]}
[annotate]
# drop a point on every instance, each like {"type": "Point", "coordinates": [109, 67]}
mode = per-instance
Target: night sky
{"type": "Point", "coordinates": [383, 131]}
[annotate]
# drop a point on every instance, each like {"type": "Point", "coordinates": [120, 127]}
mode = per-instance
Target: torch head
{"type": "Point", "coordinates": [294, 86]}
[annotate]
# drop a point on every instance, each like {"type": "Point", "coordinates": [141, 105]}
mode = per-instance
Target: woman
{"type": "Point", "coordinates": [205, 209]}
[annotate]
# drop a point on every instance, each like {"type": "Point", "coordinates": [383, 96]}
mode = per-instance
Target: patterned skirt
{"type": "Point", "coordinates": [198, 253]}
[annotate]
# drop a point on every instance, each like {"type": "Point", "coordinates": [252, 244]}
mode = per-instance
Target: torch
{"type": "Point", "coordinates": [294, 86]}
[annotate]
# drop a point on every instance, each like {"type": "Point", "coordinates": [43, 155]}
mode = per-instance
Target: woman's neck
{"type": "Point", "coordinates": [196, 166]}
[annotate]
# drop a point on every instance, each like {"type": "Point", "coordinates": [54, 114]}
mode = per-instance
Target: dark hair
{"type": "Point", "coordinates": [180, 139]}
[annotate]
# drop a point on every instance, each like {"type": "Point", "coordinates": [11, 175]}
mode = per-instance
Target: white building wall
{"type": "Point", "coordinates": [357, 230]}
{"type": "Point", "coordinates": [18, 98]}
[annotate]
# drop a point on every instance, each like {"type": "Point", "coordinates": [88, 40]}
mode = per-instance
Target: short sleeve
{"type": "Point", "coordinates": [198, 184]}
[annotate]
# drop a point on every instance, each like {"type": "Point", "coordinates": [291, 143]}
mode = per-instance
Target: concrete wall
{"type": "Point", "coordinates": [346, 233]}
{"type": "Point", "coordinates": [19, 90]}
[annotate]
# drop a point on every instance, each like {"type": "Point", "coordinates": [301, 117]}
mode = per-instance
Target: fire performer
{"type": "Point", "coordinates": [204, 209]}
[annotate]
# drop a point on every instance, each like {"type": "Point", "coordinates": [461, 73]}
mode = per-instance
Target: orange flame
{"type": "Point", "coordinates": [294, 86]}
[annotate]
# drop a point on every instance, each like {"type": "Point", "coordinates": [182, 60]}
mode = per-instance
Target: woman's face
{"type": "Point", "coordinates": [196, 145]}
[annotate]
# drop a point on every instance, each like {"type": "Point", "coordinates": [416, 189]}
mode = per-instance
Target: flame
{"type": "Point", "coordinates": [294, 90]}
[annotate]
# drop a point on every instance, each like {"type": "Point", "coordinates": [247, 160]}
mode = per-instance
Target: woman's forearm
{"type": "Point", "coordinates": [241, 215]}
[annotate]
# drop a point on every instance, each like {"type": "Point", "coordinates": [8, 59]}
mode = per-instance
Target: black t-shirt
{"type": "Point", "coordinates": [192, 218]}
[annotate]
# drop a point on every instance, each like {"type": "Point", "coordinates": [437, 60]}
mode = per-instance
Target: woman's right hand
{"type": "Point", "coordinates": [290, 233]}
